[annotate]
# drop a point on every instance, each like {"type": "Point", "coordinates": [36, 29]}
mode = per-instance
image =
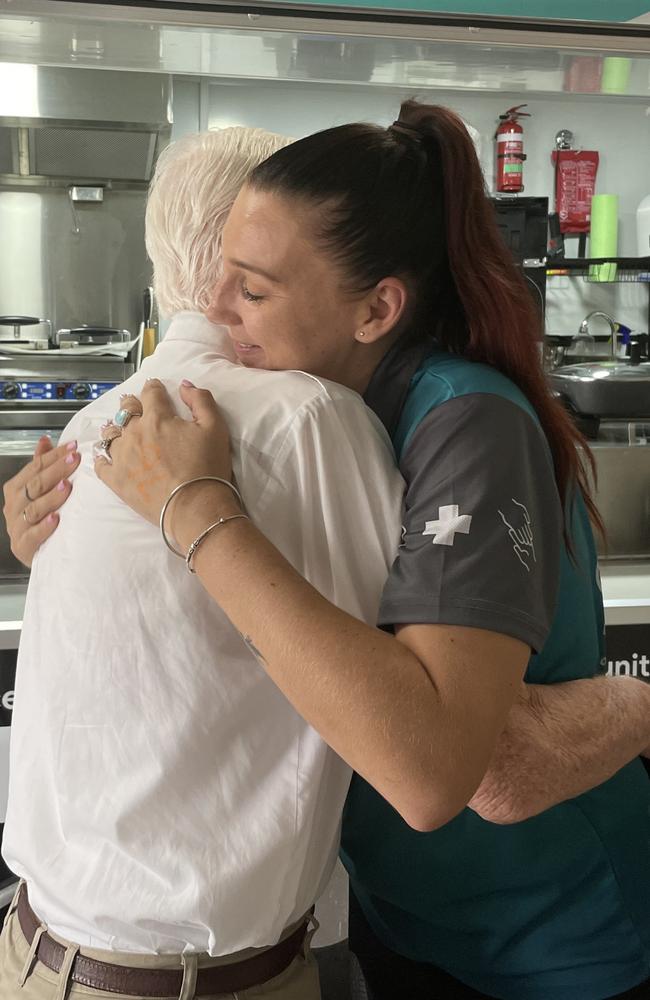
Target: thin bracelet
{"type": "Point", "coordinates": [181, 486]}
{"type": "Point", "coordinates": [204, 534]}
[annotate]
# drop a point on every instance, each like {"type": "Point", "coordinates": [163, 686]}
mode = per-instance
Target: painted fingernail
{"type": "Point", "coordinates": [71, 446]}
{"type": "Point", "coordinates": [70, 459]}
{"type": "Point", "coordinates": [190, 385]}
{"type": "Point", "coordinates": [61, 486]}
{"type": "Point", "coordinates": [51, 518]}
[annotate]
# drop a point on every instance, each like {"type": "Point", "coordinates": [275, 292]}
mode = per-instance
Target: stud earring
{"type": "Point", "coordinates": [361, 333]}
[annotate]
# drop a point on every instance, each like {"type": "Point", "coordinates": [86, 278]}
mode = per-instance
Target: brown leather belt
{"type": "Point", "coordinates": [160, 982]}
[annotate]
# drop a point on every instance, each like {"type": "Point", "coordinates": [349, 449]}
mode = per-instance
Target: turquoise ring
{"type": "Point", "coordinates": [122, 418]}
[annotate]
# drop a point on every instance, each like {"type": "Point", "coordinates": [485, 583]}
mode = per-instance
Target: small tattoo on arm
{"type": "Point", "coordinates": [253, 648]}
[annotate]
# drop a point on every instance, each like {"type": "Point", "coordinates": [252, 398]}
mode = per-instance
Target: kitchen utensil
{"type": "Point", "coordinates": [148, 331]}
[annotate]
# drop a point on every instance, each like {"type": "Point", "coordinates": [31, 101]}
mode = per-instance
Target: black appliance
{"type": "Point", "coordinates": [523, 224]}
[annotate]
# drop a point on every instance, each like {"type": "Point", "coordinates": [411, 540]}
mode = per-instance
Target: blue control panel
{"type": "Point", "coordinates": [37, 390]}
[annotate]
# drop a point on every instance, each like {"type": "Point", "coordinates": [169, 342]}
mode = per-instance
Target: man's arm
{"type": "Point", "coordinates": [562, 740]}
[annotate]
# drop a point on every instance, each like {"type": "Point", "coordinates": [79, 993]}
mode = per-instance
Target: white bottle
{"type": "Point", "coordinates": [643, 227]}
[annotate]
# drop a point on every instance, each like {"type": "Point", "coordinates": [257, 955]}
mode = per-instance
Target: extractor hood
{"type": "Point", "coordinates": [81, 124]}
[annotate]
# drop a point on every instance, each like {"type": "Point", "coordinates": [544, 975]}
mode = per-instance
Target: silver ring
{"type": "Point", "coordinates": [101, 449]}
{"type": "Point", "coordinates": [30, 499]}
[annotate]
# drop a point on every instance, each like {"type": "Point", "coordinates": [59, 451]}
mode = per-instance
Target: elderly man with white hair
{"type": "Point", "coordinates": [171, 816]}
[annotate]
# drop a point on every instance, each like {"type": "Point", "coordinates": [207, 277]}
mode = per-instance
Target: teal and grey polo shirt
{"type": "Point", "coordinates": [557, 907]}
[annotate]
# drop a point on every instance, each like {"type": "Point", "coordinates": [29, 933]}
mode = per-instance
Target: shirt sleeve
{"type": "Point", "coordinates": [482, 532]}
{"type": "Point", "coordinates": [333, 502]}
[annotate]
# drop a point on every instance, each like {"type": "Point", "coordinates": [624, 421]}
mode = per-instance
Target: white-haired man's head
{"type": "Point", "coordinates": [195, 183]}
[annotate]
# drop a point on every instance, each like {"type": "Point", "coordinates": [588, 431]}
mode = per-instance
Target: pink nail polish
{"type": "Point", "coordinates": [51, 518]}
{"type": "Point", "coordinates": [190, 385]}
{"type": "Point", "coordinates": [71, 446]}
{"type": "Point", "coordinates": [61, 486]}
{"type": "Point", "coordinates": [69, 459]}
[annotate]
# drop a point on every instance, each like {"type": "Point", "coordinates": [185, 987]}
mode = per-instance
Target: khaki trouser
{"type": "Point", "coordinates": [298, 982]}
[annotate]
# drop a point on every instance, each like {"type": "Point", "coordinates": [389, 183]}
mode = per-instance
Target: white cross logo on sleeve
{"type": "Point", "coordinates": [449, 522]}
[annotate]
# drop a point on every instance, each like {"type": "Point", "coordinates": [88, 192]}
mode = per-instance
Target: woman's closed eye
{"type": "Point", "coordinates": [248, 295]}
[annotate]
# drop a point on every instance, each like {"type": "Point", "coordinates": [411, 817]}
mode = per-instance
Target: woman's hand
{"type": "Point", "coordinates": [158, 450]}
{"type": "Point", "coordinates": [45, 480]}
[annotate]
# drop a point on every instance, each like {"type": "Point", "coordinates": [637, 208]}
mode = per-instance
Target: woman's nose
{"type": "Point", "coordinates": [217, 305]}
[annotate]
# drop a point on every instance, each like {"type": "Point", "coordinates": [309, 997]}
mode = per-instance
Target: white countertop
{"type": "Point", "coordinates": [626, 591]}
{"type": "Point", "coordinates": [626, 594]}
{"type": "Point", "coordinates": [12, 606]}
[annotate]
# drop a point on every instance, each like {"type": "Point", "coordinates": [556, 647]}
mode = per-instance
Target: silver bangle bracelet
{"type": "Point", "coordinates": [177, 490]}
{"type": "Point", "coordinates": [204, 534]}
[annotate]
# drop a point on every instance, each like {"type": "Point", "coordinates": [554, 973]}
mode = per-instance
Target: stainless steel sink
{"type": "Point", "coordinates": [605, 388]}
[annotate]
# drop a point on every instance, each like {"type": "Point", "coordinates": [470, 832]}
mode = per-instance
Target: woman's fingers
{"type": "Point", "coordinates": [43, 445]}
{"type": "Point", "coordinates": [49, 470]}
{"type": "Point", "coordinates": [200, 402]}
{"type": "Point", "coordinates": [47, 503]}
{"type": "Point", "coordinates": [43, 472]}
{"type": "Point", "coordinates": [26, 545]}
{"type": "Point", "coordinates": [45, 479]}
{"type": "Point", "coordinates": [156, 401]}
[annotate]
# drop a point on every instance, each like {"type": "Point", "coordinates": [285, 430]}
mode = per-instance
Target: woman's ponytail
{"type": "Point", "coordinates": [502, 326]}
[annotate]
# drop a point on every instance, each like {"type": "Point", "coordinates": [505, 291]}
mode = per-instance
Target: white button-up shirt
{"type": "Point", "coordinates": [164, 795]}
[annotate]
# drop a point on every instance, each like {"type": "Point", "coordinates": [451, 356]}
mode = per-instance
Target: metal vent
{"type": "Point", "coordinates": [92, 153]}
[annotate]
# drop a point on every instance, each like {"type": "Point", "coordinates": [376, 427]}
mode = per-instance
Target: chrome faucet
{"type": "Point", "coordinates": [584, 330]}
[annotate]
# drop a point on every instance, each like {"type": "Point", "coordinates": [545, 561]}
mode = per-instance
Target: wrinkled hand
{"type": "Point", "coordinates": [46, 479]}
{"type": "Point", "coordinates": [158, 450]}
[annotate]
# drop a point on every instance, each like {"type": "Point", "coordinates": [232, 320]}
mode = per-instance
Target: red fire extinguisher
{"type": "Point", "coordinates": [510, 154]}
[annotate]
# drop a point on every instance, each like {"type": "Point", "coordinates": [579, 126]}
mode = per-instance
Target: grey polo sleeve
{"type": "Point", "coordinates": [482, 533]}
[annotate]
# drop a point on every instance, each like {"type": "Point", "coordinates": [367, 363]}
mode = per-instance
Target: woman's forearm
{"type": "Point", "coordinates": [366, 693]}
{"type": "Point", "coordinates": [562, 740]}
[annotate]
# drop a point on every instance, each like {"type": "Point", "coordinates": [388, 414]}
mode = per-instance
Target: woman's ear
{"type": "Point", "coordinates": [383, 308]}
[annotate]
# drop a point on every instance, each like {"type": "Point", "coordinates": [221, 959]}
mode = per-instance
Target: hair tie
{"type": "Point", "coordinates": [410, 131]}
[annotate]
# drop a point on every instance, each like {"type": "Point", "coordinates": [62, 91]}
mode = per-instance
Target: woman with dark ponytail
{"type": "Point", "coordinates": [371, 257]}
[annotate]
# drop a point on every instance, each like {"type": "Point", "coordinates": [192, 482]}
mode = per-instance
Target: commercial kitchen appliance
{"type": "Point", "coordinates": [39, 395]}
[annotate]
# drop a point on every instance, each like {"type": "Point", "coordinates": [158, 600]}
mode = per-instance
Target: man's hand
{"type": "Point", "coordinates": [34, 494]}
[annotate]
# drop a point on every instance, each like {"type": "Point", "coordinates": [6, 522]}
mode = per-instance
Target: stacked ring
{"type": "Point", "coordinates": [101, 449]}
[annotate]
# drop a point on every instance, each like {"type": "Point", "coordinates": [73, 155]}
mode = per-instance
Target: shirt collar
{"type": "Point", "coordinates": [388, 388]}
{"type": "Point", "coordinates": [196, 328]}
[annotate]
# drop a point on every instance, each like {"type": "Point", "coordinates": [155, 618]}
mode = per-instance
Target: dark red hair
{"type": "Point", "coordinates": [410, 201]}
